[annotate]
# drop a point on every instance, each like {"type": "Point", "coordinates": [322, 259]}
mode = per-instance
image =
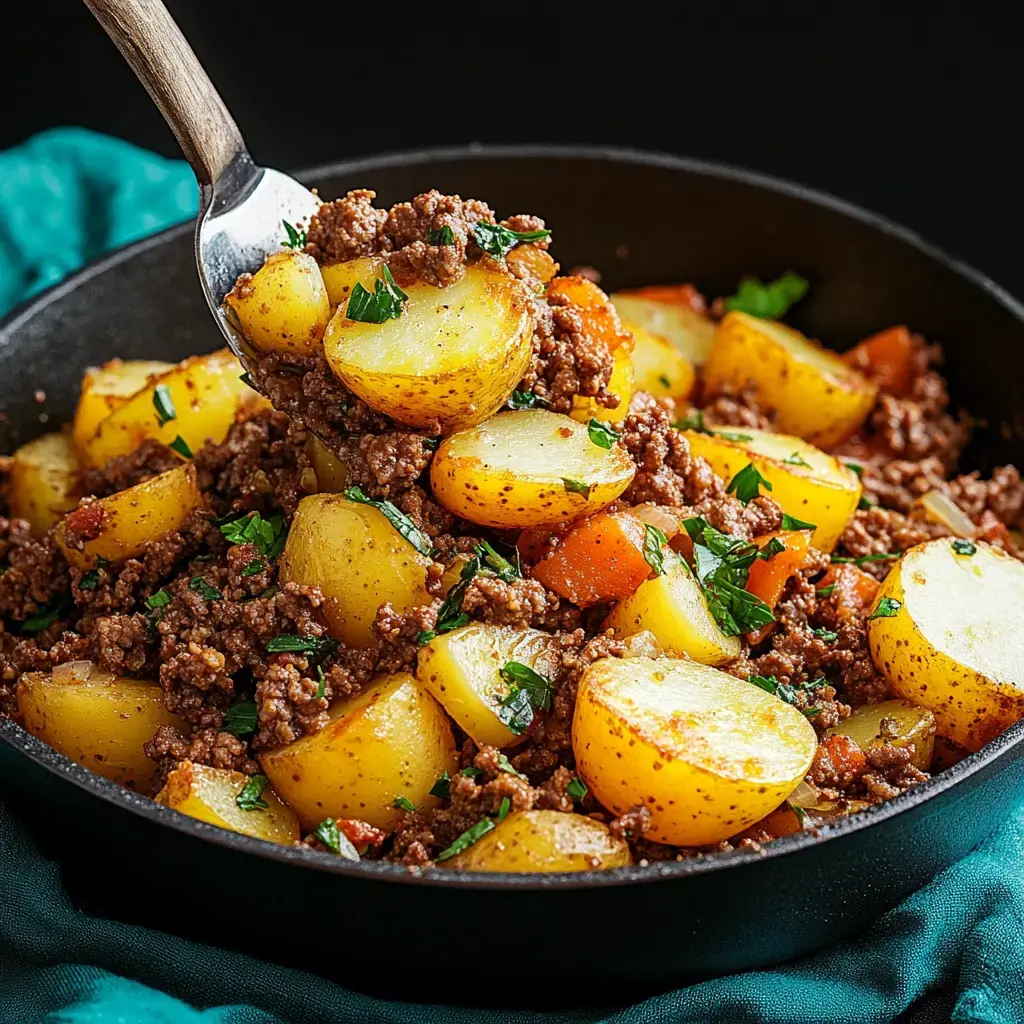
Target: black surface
{"type": "Point", "coordinates": [623, 932]}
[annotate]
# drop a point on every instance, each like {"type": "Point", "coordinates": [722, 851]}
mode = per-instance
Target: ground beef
{"type": "Point", "coordinates": [875, 531]}
{"type": "Point", "coordinates": [169, 748]}
{"type": "Point", "coordinates": [890, 772]}
{"type": "Point", "coordinates": [633, 825]}
{"type": "Point", "coordinates": [898, 483]}
{"type": "Point", "coordinates": [727, 407]}
{"type": "Point", "coordinates": [35, 571]}
{"type": "Point", "coordinates": [521, 602]}
{"type": "Point", "coordinates": [385, 466]}
{"type": "Point", "coordinates": [150, 459]}
{"type": "Point", "coordinates": [1002, 495]}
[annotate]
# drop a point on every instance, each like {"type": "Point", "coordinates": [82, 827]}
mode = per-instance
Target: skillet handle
{"type": "Point", "coordinates": [161, 58]}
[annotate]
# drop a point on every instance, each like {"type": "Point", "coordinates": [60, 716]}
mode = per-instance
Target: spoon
{"type": "Point", "coordinates": [241, 205]}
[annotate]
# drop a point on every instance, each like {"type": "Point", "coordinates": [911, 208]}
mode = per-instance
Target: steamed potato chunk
{"type": "Point", "coordinates": [462, 669]}
{"type": "Point", "coordinates": [42, 478]}
{"type": "Point", "coordinates": [357, 559]}
{"type": "Point", "coordinates": [391, 740]}
{"type": "Point", "coordinates": [666, 311]}
{"type": "Point", "coordinates": [547, 842]}
{"type": "Point", "coordinates": [330, 472]}
{"type": "Point", "coordinates": [283, 307]}
{"type": "Point", "coordinates": [807, 483]}
{"type": "Point", "coordinates": [452, 358]}
{"type": "Point", "coordinates": [527, 468]}
{"type": "Point", "coordinates": [945, 630]}
{"type": "Point", "coordinates": [97, 719]}
{"type": "Point", "coordinates": [894, 721]}
{"type": "Point", "coordinates": [205, 393]}
{"type": "Point", "coordinates": [673, 609]}
{"type": "Point", "coordinates": [659, 368]}
{"type": "Point", "coordinates": [706, 753]}
{"type": "Point", "coordinates": [106, 387]}
{"type": "Point", "coordinates": [130, 520]}
{"type": "Point", "coordinates": [814, 393]}
{"type": "Point", "coordinates": [210, 795]}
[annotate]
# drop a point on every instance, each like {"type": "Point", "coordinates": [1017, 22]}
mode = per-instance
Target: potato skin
{"type": "Point", "coordinates": [955, 645]}
{"type": "Point", "coordinates": [357, 559]}
{"type": "Point", "coordinates": [814, 393]}
{"type": "Point", "coordinates": [657, 361]}
{"type": "Point", "coordinates": [545, 842]}
{"type": "Point", "coordinates": [97, 719]}
{"type": "Point", "coordinates": [708, 754]}
{"type": "Point", "coordinates": [42, 478]}
{"type": "Point", "coordinates": [106, 387]}
{"type": "Point", "coordinates": [391, 740]}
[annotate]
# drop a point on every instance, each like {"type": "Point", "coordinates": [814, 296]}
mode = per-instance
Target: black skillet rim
{"type": "Point", "coordinates": [48, 758]}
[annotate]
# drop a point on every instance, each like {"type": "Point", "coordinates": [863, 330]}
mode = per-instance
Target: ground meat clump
{"type": "Point", "coordinates": [879, 531]}
{"type": "Point", "coordinates": [520, 602]}
{"type": "Point", "coordinates": [169, 748]}
{"type": "Point", "coordinates": [890, 771]}
{"type": "Point", "coordinates": [742, 408]}
{"type": "Point", "coordinates": [35, 571]}
{"type": "Point", "coordinates": [150, 459]}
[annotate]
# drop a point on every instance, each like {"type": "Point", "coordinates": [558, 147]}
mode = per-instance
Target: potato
{"type": "Point", "coordinates": [42, 478]}
{"type": "Point", "coordinates": [339, 278]}
{"type": "Point", "coordinates": [210, 794]}
{"type": "Point", "coordinates": [620, 383]}
{"type": "Point", "coordinates": [97, 719]}
{"type": "Point", "coordinates": [667, 312]}
{"type": "Point", "coordinates": [331, 474]}
{"type": "Point", "coordinates": [805, 481]}
{"type": "Point", "coordinates": [527, 468]}
{"type": "Point", "coordinates": [130, 520]}
{"type": "Point", "coordinates": [106, 387]}
{"type": "Point", "coordinates": [546, 842]}
{"type": "Point", "coordinates": [814, 393]}
{"type": "Point", "coordinates": [708, 754]}
{"type": "Point", "coordinates": [462, 669]}
{"type": "Point", "coordinates": [945, 630]}
{"type": "Point", "coordinates": [206, 392]}
{"type": "Point", "coordinates": [659, 368]}
{"type": "Point", "coordinates": [452, 358]}
{"type": "Point", "coordinates": [905, 726]}
{"type": "Point", "coordinates": [391, 740]}
{"type": "Point", "coordinates": [357, 559]}
{"type": "Point", "coordinates": [672, 607]}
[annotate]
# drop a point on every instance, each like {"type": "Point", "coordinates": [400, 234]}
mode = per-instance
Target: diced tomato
{"type": "Point", "coordinates": [888, 358]}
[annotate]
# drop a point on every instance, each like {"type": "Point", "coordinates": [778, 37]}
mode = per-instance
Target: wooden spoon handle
{"type": "Point", "coordinates": [161, 58]}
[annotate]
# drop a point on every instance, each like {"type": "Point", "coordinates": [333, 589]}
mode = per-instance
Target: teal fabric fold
{"type": "Point", "coordinates": [952, 952]}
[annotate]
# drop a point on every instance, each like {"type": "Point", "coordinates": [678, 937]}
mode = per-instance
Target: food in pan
{"type": "Point", "coordinates": [479, 567]}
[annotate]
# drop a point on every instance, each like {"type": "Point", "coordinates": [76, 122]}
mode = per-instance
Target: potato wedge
{"type": "Point", "coordinates": [357, 559]}
{"type": "Point", "coordinates": [659, 368]}
{"type": "Point", "coordinates": [667, 311]}
{"type": "Point", "coordinates": [708, 754]}
{"type": "Point", "coordinates": [210, 794]}
{"type": "Point", "coordinates": [98, 719]}
{"type": "Point", "coordinates": [339, 278]}
{"type": "Point", "coordinates": [897, 721]}
{"type": "Point", "coordinates": [814, 393]}
{"type": "Point", "coordinates": [206, 392]}
{"type": "Point", "coordinates": [130, 520]}
{"type": "Point", "coordinates": [283, 307]}
{"type": "Point", "coordinates": [620, 383]}
{"type": "Point", "coordinates": [546, 842]}
{"type": "Point", "coordinates": [672, 607]}
{"type": "Point", "coordinates": [462, 669]}
{"type": "Point", "coordinates": [331, 474]}
{"type": "Point", "coordinates": [42, 478]}
{"type": "Point", "coordinates": [527, 468]}
{"type": "Point", "coordinates": [452, 358]}
{"type": "Point", "coordinates": [391, 740]}
{"type": "Point", "coordinates": [945, 630]}
{"type": "Point", "coordinates": [106, 387]}
{"type": "Point", "coordinates": [807, 483]}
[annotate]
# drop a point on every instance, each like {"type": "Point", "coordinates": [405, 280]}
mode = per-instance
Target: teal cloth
{"type": "Point", "coordinates": [953, 951]}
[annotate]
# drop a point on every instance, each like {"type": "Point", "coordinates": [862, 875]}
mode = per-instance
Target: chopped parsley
{"type": "Point", "coordinates": [441, 236]}
{"type": "Point", "coordinates": [961, 547]}
{"type": "Point", "coordinates": [321, 690]}
{"type": "Point", "coordinates": [664, 381]}
{"type": "Point", "coordinates": [293, 643]}
{"type": "Point", "coordinates": [267, 535]}
{"type": "Point", "coordinates": [576, 486]}
{"type": "Point", "coordinates": [774, 547]}
{"type": "Point", "coordinates": [241, 718]}
{"type": "Point", "coordinates": [199, 586]}
{"type": "Point", "coordinates": [424, 637]}
{"type": "Point", "coordinates": [399, 520]}
{"type": "Point", "coordinates": [90, 580]}
{"type": "Point", "coordinates": [250, 798]}
{"type": "Point", "coordinates": [864, 559]}
{"type": "Point", "coordinates": [886, 608]}
{"type": "Point", "coordinates": [654, 541]}
{"type": "Point", "coordinates": [796, 459]}
{"type": "Point", "coordinates": [403, 803]}
{"type": "Point", "coordinates": [180, 445]}
{"type": "Point", "coordinates": [506, 806]}
{"type": "Point", "coordinates": [383, 303]}
{"type": "Point", "coordinates": [254, 568]}
{"type": "Point", "coordinates": [471, 772]}
{"type": "Point", "coordinates": [505, 765]}
{"type": "Point", "coordinates": [865, 503]}
{"type": "Point", "coordinates": [827, 635]}
{"type": "Point", "coordinates": [451, 616]}
{"type": "Point", "coordinates": [746, 484]}
{"type": "Point", "coordinates": [499, 564]}
{"type": "Point", "coordinates": [335, 840]}
{"type": "Point", "coordinates": [525, 400]}
{"type": "Point", "coordinates": [164, 405]}
{"type": "Point", "coordinates": [792, 523]}
{"type": "Point", "coordinates": [787, 692]}
{"type": "Point", "coordinates": [855, 467]}
{"type": "Point", "coordinates": [467, 839]}
{"type": "Point", "coordinates": [161, 599]}
{"type": "Point", "coordinates": [601, 434]}
{"type": "Point", "coordinates": [498, 241]}
{"type": "Point", "coordinates": [442, 788]}
{"type": "Point", "coordinates": [695, 422]}
{"type": "Point", "coordinates": [826, 591]}
{"type": "Point", "coordinates": [770, 300]}
{"type": "Point", "coordinates": [537, 687]}
{"type": "Point", "coordinates": [516, 711]}
{"type": "Point", "coordinates": [54, 609]}
{"type": "Point", "coordinates": [296, 239]}
{"type": "Point", "coordinates": [801, 814]}
{"type": "Point", "coordinates": [576, 789]}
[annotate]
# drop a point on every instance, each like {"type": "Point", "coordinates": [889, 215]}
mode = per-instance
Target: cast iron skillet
{"type": "Point", "coordinates": [642, 219]}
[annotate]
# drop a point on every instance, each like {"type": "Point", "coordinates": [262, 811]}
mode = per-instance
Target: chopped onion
{"type": "Point", "coordinates": [642, 645]}
{"type": "Point", "coordinates": [72, 672]}
{"type": "Point", "coordinates": [659, 516]}
{"type": "Point", "coordinates": [941, 508]}
{"type": "Point", "coordinates": [805, 795]}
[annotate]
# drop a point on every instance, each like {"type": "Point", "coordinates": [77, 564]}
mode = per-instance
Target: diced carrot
{"type": "Point", "coordinates": [839, 759]}
{"type": "Point", "coordinates": [672, 294]}
{"type": "Point", "coordinates": [888, 358]}
{"type": "Point", "coordinates": [599, 559]}
{"type": "Point", "coordinates": [767, 577]}
{"type": "Point", "coordinates": [853, 589]}
{"type": "Point", "coordinates": [595, 309]}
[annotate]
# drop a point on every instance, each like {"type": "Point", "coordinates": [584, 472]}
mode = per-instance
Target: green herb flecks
{"type": "Point", "coordinates": [335, 840]}
{"type": "Point", "coordinates": [267, 535]}
{"type": "Point", "coordinates": [467, 839]}
{"type": "Point", "coordinates": [796, 459]}
{"type": "Point", "coordinates": [601, 434]}
{"type": "Point", "coordinates": [882, 556]}
{"type": "Point", "coordinates": [424, 637]}
{"type": "Point", "coordinates": [498, 563]}
{"type": "Point", "coordinates": [855, 467]}
{"type": "Point", "coordinates": [180, 445]}
{"type": "Point", "coordinates": [538, 687]}
{"type": "Point", "coordinates": [506, 806]}
{"type": "Point", "coordinates": [788, 693]}
{"type": "Point", "coordinates": [403, 803]}
{"type": "Point", "coordinates": [864, 503]}
{"type": "Point", "coordinates": [886, 608]}
{"type": "Point", "coordinates": [792, 523]}
{"type": "Point", "coordinates": [399, 520]}
{"type": "Point", "coordinates": [199, 586]}
{"type": "Point", "coordinates": [442, 788]}
{"type": "Point", "coordinates": [164, 405]}
{"type": "Point", "coordinates": [695, 423]}
{"type": "Point", "coordinates": [296, 239]}
{"type": "Point", "coordinates": [654, 541]}
{"type": "Point", "coordinates": [321, 689]}
{"type": "Point", "coordinates": [826, 591]}
{"type": "Point", "coordinates": [254, 568]}
{"type": "Point", "coordinates": [746, 484]}
{"type": "Point", "coordinates": [576, 789]}
{"type": "Point", "coordinates": [525, 400]}
{"type": "Point", "coordinates": [505, 765]}
{"type": "Point", "coordinates": [576, 486]}
{"type": "Point", "coordinates": [451, 616]}
{"type": "Point", "coordinates": [241, 718]}
{"type": "Point", "coordinates": [498, 241]}
{"type": "Point", "coordinates": [250, 796]}
{"type": "Point", "coordinates": [774, 547]}
{"type": "Point", "coordinates": [294, 643]}
{"type": "Point", "coordinates": [54, 610]}
{"type": "Point", "coordinates": [664, 382]}
{"type": "Point", "coordinates": [828, 635]}
{"type": "Point", "coordinates": [383, 303]}
{"type": "Point", "coordinates": [89, 580]}
{"type": "Point", "coordinates": [440, 236]}
{"type": "Point", "coordinates": [769, 301]}
{"type": "Point", "coordinates": [961, 547]}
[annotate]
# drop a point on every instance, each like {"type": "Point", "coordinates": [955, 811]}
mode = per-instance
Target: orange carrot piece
{"type": "Point", "coordinates": [853, 589]}
{"type": "Point", "coordinates": [888, 358]}
{"type": "Point", "coordinates": [767, 577]}
{"type": "Point", "coordinates": [672, 294]}
{"type": "Point", "coordinates": [595, 309]}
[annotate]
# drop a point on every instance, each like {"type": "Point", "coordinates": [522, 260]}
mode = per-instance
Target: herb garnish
{"type": "Point", "coordinates": [961, 547]}
{"type": "Point", "coordinates": [199, 586]}
{"type": "Point", "coordinates": [865, 503]}
{"type": "Point", "coordinates": [787, 692]}
{"type": "Point", "coordinates": [267, 535]}
{"type": "Point", "coordinates": [499, 564]}
{"type": "Point", "coordinates": [403, 803]}
{"type": "Point", "coordinates": [505, 765]}
{"type": "Point", "coordinates": [161, 599]}
{"type": "Point", "coordinates": [774, 547]}
{"type": "Point", "coordinates": [746, 483]}
{"type": "Point", "coordinates": [827, 635]}
{"type": "Point", "coordinates": [90, 580]}
{"type": "Point", "coordinates": [801, 814]}
{"type": "Point", "coordinates": [769, 300]}
{"type": "Point", "coordinates": [383, 303]}
{"type": "Point", "coordinates": [886, 609]}
{"type": "Point", "coordinates": [601, 434]}
{"type": "Point", "coordinates": [576, 486]}
{"type": "Point", "coordinates": [856, 467]}
{"type": "Point", "coordinates": [826, 591]}
{"type": "Point", "coordinates": [530, 691]}
{"type": "Point", "coordinates": [451, 616]}
{"type": "Point", "coordinates": [56, 608]}
{"type": "Point", "coordinates": [250, 797]}
{"type": "Point", "coordinates": [664, 381]}
{"type": "Point", "coordinates": [576, 789]}
{"type": "Point", "coordinates": [525, 400]}
{"type": "Point", "coordinates": [335, 840]}
{"type": "Point", "coordinates": [796, 459]}
{"type": "Point", "coordinates": [254, 568]}
{"type": "Point", "coordinates": [241, 718]}
{"type": "Point", "coordinates": [881, 556]}
{"type": "Point", "coordinates": [498, 241]}
{"type": "Point", "coordinates": [654, 541]}
{"type": "Point", "coordinates": [399, 520]}
{"type": "Point", "coordinates": [440, 236]}
{"type": "Point", "coordinates": [471, 772]}
{"type": "Point", "coordinates": [164, 405]}
{"type": "Point", "coordinates": [424, 637]}
{"type": "Point", "coordinates": [442, 788]}
{"type": "Point", "coordinates": [321, 690]}
{"type": "Point", "coordinates": [294, 643]}
{"type": "Point", "coordinates": [506, 805]}
{"type": "Point", "coordinates": [296, 239]}
{"type": "Point", "coordinates": [792, 523]}
{"type": "Point", "coordinates": [467, 839]}
{"type": "Point", "coordinates": [695, 422]}
{"type": "Point", "coordinates": [180, 445]}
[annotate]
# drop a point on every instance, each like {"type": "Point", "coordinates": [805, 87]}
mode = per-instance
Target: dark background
{"type": "Point", "coordinates": [909, 110]}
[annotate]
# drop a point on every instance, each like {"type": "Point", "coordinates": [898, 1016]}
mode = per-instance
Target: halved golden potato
{"type": "Point", "coordinates": [462, 669]}
{"type": "Point", "coordinates": [706, 753]}
{"type": "Point", "coordinates": [42, 478]}
{"type": "Point", "coordinates": [205, 394]}
{"type": "Point", "coordinates": [331, 474]}
{"type": "Point", "coordinates": [106, 387]}
{"type": "Point", "coordinates": [357, 559]}
{"type": "Point", "coordinates": [806, 482]}
{"type": "Point", "coordinates": [211, 794]}
{"type": "Point", "coordinates": [814, 393]}
{"type": "Point", "coordinates": [894, 721]}
{"type": "Point", "coordinates": [659, 368]}
{"type": "Point", "coordinates": [547, 842]}
{"type": "Point", "coordinates": [283, 307]}
{"type": "Point", "coordinates": [452, 358]}
{"type": "Point", "coordinates": [620, 383]}
{"type": "Point", "coordinates": [97, 719]}
{"type": "Point", "coordinates": [339, 278]}
{"type": "Point", "coordinates": [391, 740]}
{"type": "Point", "coordinates": [527, 468]}
{"type": "Point", "coordinates": [945, 630]}
{"type": "Point", "coordinates": [130, 520]}
{"type": "Point", "coordinates": [672, 607]}
{"type": "Point", "coordinates": [666, 311]}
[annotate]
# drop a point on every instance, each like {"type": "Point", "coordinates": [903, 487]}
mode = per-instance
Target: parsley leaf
{"type": "Point", "coordinates": [335, 840]}
{"type": "Point", "coordinates": [856, 467]}
{"type": "Point", "coordinates": [796, 459]}
{"type": "Point", "coordinates": [961, 547]}
{"type": "Point", "coordinates": [506, 806]}
{"type": "Point", "coordinates": [442, 788]}
{"type": "Point", "coordinates": [292, 643]}
{"type": "Point", "coordinates": [536, 686]}
{"type": "Point", "coordinates": [827, 635]}
{"type": "Point", "coordinates": [664, 381]}
{"type": "Point", "coordinates": [576, 789]}
{"type": "Point", "coordinates": [451, 615]}
{"type": "Point", "coordinates": [525, 400]}
{"type": "Point", "coordinates": [886, 609]}
{"type": "Point", "coordinates": [268, 535]}
{"type": "Point", "coordinates": [441, 236]}
{"type": "Point", "coordinates": [695, 422]}
{"type": "Point", "coordinates": [501, 566]}
{"type": "Point", "coordinates": [321, 690]}
{"type": "Point", "coordinates": [865, 503]}
{"type": "Point", "coordinates": [180, 445]}
{"type": "Point", "coordinates": [498, 241]}
{"type": "Point", "coordinates": [164, 405]}
{"type": "Point", "coordinates": [161, 599]}
{"type": "Point", "coordinates": [576, 486]}
{"type": "Point", "coordinates": [471, 772]}
{"type": "Point", "coordinates": [403, 803]}
{"type": "Point", "coordinates": [90, 580]}
{"type": "Point", "coordinates": [241, 718]}
{"type": "Point", "coordinates": [863, 559]}
{"type": "Point", "coordinates": [792, 523]}
{"type": "Point", "coordinates": [746, 483]}
{"type": "Point", "coordinates": [770, 300]}
{"type": "Point", "coordinates": [505, 765]}
{"type": "Point", "coordinates": [516, 711]}
{"type": "Point", "coordinates": [424, 637]}
{"type": "Point", "coordinates": [253, 568]}
{"type": "Point", "coordinates": [826, 591]}
{"type": "Point", "coordinates": [467, 839]}
{"type": "Point", "coordinates": [769, 683]}
{"type": "Point", "coordinates": [54, 609]}
{"type": "Point", "coordinates": [383, 303]}
{"type": "Point", "coordinates": [199, 586]}
{"type": "Point", "coordinates": [296, 239]}
{"type": "Point", "coordinates": [399, 520]}
{"type": "Point", "coordinates": [654, 541]}
{"type": "Point", "coordinates": [601, 434]}
{"type": "Point", "coordinates": [250, 798]}
{"type": "Point", "coordinates": [774, 547]}
{"type": "Point", "coordinates": [787, 692]}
